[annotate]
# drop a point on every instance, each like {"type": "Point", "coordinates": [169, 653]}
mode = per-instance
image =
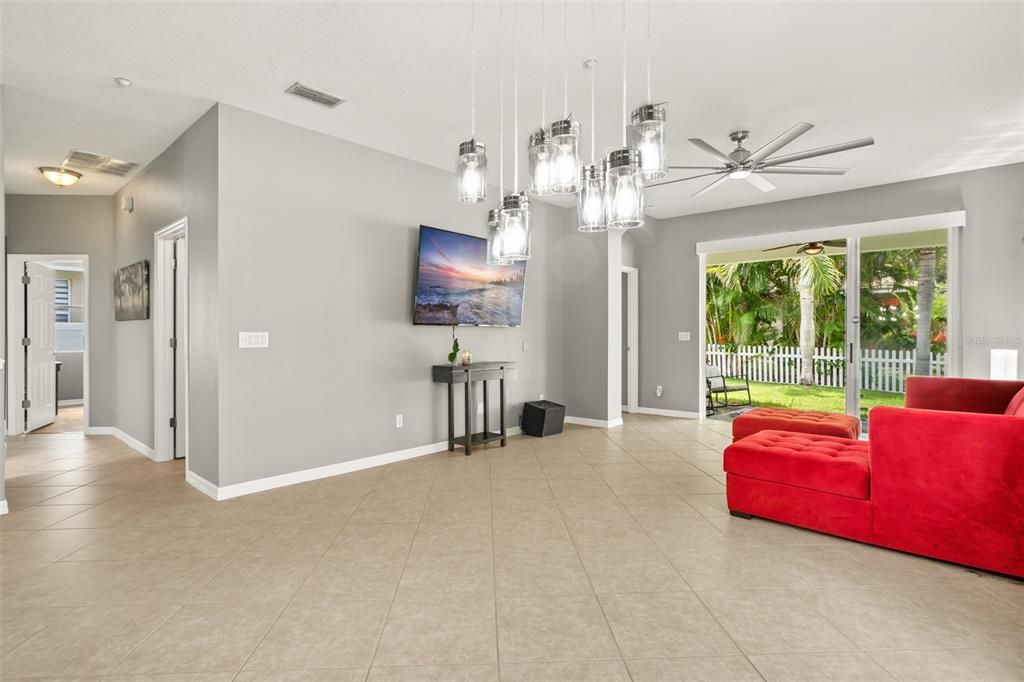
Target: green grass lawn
{"type": "Point", "coordinates": [817, 397]}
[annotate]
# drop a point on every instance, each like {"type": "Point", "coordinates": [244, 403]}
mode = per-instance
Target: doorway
{"type": "Point", "coordinates": [48, 342]}
{"type": "Point", "coordinates": [170, 342]}
{"type": "Point", "coordinates": [890, 311]}
{"type": "Point", "coordinates": [630, 339]}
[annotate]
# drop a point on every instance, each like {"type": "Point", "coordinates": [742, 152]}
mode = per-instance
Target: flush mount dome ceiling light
{"type": "Point", "coordinates": [61, 177]}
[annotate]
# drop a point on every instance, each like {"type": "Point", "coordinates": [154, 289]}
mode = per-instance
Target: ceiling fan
{"type": "Point", "coordinates": [741, 164]}
{"type": "Point", "coordinates": [811, 248]}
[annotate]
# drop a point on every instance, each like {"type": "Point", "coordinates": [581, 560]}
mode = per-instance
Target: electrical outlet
{"type": "Point", "coordinates": [399, 421]}
{"type": "Point", "coordinates": [684, 336]}
{"type": "Point", "coordinates": [541, 397]}
{"type": "Point", "coordinates": [659, 390]}
{"type": "Point", "coordinates": [479, 408]}
{"type": "Point", "coordinates": [253, 339]}
{"type": "Point", "coordinates": [526, 346]}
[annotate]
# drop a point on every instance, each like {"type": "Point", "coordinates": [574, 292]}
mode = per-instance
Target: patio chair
{"type": "Point", "coordinates": [720, 386]}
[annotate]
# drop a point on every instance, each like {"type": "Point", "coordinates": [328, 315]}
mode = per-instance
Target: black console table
{"type": "Point", "coordinates": [468, 374]}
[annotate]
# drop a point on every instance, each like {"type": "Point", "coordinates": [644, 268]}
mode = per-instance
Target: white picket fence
{"type": "Point", "coordinates": [881, 370]}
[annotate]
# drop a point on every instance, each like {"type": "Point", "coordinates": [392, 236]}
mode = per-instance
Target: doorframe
{"type": "Point", "coordinates": [163, 301]}
{"type": "Point", "coordinates": [632, 338]}
{"type": "Point", "coordinates": [16, 326]}
{"type": "Point", "coordinates": [953, 221]}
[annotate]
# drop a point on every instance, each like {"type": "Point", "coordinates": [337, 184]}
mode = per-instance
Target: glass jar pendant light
{"type": "Point", "coordinates": [625, 190]}
{"type": "Point", "coordinates": [647, 135]}
{"type": "Point", "coordinates": [590, 203]}
{"type": "Point", "coordinates": [565, 137]}
{"type": "Point", "coordinates": [515, 227]}
{"type": "Point", "coordinates": [494, 238]}
{"type": "Point", "coordinates": [515, 208]}
{"type": "Point", "coordinates": [472, 172]}
{"type": "Point", "coordinates": [541, 158]}
{"type": "Point", "coordinates": [471, 168]}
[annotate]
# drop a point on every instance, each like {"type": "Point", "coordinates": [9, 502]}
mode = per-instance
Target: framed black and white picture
{"type": "Point", "coordinates": [131, 292]}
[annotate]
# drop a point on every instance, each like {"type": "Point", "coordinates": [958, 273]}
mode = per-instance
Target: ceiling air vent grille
{"type": "Point", "coordinates": [314, 95]}
{"type": "Point", "coordinates": [87, 161]}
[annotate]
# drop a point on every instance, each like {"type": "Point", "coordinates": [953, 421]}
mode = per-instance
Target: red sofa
{"type": "Point", "coordinates": [942, 477]}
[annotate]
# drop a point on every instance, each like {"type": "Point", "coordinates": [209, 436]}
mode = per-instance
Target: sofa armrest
{"type": "Point", "coordinates": [960, 395]}
{"type": "Point", "coordinates": [941, 479]}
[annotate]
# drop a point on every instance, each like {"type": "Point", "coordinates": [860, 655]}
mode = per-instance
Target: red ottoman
{"type": "Point", "coordinates": [799, 421]}
{"type": "Point", "coordinates": [804, 479]}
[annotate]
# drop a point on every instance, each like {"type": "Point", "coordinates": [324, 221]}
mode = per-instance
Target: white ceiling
{"type": "Point", "coordinates": [939, 85]}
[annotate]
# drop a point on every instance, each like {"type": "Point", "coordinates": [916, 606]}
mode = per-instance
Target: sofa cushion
{"type": "Point", "coordinates": [1016, 406]}
{"type": "Point", "coordinates": [801, 421]}
{"type": "Point", "coordinates": [840, 466]}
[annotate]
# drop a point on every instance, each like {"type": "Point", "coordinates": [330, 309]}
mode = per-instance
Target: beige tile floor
{"type": "Point", "coordinates": [69, 419]}
{"type": "Point", "coordinates": [594, 555]}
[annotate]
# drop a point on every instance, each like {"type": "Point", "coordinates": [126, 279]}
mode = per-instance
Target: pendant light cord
{"type": "Point", "coordinates": [650, 100]}
{"type": "Point", "coordinates": [515, 95]}
{"type": "Point", "coordinates": [593, 77]}
{"type": "Point", "coordinates": [501, 103]}
{"type": "Point", "coordinates": [565, 57]}
{"type": "Point", "coordinates": [472, 70]}
{"type": "Point", "coordinates": [543, 71]}
{"type": "Point", "coordinates": [625, 120]}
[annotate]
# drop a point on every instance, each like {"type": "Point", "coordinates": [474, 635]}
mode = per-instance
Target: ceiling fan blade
{"type": "Point", "coordinates": [779, 248]}
{"type": "Point", "coordinates": [692, 177]}
{"type": "Point", "coordinates": [697, 142]}
{"type": "Point", "coordinates": [713, 185]}
{"type": "Point", "coordinates": [759, 182]}
{"type": "Point", "coordinates": [695, 168]}
{"type": "Point", "coordinates": [803, 170]}
{"type": "Point", "coordinates": [779, 142]}
{"type": "Point", "coordinates": [820, 151]}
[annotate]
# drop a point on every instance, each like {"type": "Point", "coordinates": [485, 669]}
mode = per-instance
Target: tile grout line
{"type": "Point", "coordinates": [312, 570]}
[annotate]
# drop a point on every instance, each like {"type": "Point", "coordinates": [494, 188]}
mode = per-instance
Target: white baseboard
{"type": "Point", "coordinates": [668, 413]}
{"type": "Point", "coordinates": [3, 507]}
{"type": "Point", "coordinates": [117, 433]}
{"type": "Point", "coordinates": [596, 423]}
{"type": "Point", "coordinates": [269, 483]}
{"type": "Point", "coordinates": [73, 402]}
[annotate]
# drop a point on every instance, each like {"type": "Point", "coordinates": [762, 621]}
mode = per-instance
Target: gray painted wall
{"type": "Point", "coordinates": [41, 224]}
{"type": "Point", "coordinates": [70, 384]}
{"type": "Point", "coordinates": [3, 318]}
{"type": "Point", "coordinates": [181, 182]}
{"type": "Point", "coordinates": [318, 247]}
{"type": "Point", "coordinates": [992, 269]}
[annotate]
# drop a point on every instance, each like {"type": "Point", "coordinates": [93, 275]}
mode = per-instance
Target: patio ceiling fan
{"type": "Point", "coordinates": [810, 248]}
{"type": "Point", "coordinates": [741, 164]}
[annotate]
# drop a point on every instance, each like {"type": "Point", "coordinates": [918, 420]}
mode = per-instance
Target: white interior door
{"type": "Point", "coordinates": [179, 348]}
{"type": "Point", "coordinates": [40, 358]}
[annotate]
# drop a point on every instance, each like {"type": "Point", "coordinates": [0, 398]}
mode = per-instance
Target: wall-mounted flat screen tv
{"type": "Point", "coordinates": [456, 286]}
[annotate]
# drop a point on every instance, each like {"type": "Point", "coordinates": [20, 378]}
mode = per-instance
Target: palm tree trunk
{"type": "Point", "coordinates": [925, 298]}
{"type": "Point", "coordinates": [807, 333]}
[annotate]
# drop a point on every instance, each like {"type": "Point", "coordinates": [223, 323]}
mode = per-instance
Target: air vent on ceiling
{"type": "Point", "coordinates": [314, 95]}
{"type": "Point", "coordinates": [87, 161]}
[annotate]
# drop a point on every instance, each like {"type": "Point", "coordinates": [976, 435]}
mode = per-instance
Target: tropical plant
{"type": "Point", "coordinates": [817, 276]}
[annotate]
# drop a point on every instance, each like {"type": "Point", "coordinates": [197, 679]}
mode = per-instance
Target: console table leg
{"type": "Point", "coordinates": [487, 427]}
{"type": "Point", "coordinates": [501, 390]}
{"type": "Point", "coordinates": [469, 416]}
{"type": "Point", "coordinates": [451, 417]}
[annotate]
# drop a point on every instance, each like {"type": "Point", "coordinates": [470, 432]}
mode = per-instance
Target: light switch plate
{"type": "Point", "coordinates": [684, 336]}
{"type": "Point", "coordinates": [253, 339]}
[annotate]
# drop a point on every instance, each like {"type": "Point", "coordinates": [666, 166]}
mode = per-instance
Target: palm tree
{"type": "Point", "coordinates": [817, 276]}
{"type": "Point", "coordinates": [925, 299]}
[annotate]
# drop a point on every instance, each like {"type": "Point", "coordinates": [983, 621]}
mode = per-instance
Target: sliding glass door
{"type": "Point", "coordinates": [898, 292]}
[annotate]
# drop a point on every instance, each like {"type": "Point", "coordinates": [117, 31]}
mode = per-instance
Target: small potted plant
{"type": "Point", "coordinates": [453, 357]}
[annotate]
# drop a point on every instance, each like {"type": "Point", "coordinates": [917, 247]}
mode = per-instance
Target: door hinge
{"type": "Point", "coordinates": [26, 403]}
{"type": "Point", "coordinates": [173, 343]}
{"type": "Point", "coordinates": [25, 279]}
{"type": "Point", "coordinates": [26, 342]}
{"type": "Point", "coordinates": [174, 264]}
{"type": "Point", "coordinates": [173, 423]}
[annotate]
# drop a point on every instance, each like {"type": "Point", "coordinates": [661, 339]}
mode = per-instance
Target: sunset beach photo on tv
{"type": "Point", "coordinates": [456, 286]}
